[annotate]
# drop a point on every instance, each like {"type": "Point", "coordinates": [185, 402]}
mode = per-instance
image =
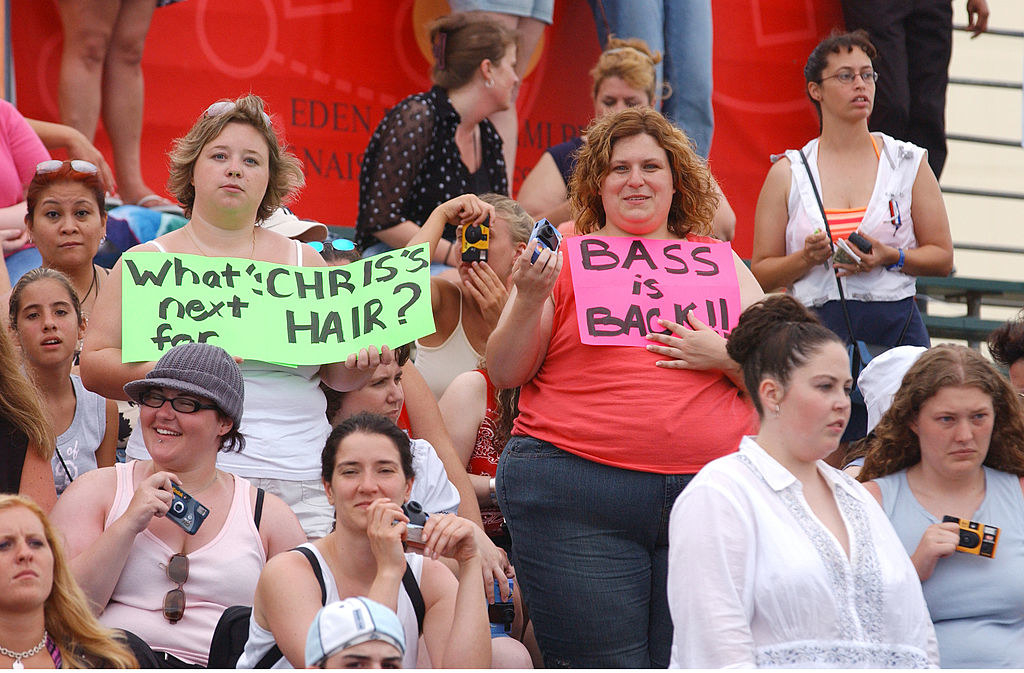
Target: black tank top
{"type": "Point", "coordinates": [13, 446]}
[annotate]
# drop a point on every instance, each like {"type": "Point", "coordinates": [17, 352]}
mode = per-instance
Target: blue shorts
{"type": "Point", "coordinates": [542, 10]}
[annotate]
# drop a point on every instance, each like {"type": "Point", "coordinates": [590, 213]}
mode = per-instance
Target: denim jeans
{"type": "Point", "coordinates": [681, 30]}
{"type": "Point", "coordinates": [590, 548]}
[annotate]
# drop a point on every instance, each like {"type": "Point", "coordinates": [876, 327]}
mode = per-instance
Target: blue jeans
{"type": "Point", "coordinates": [21, 262]}
{"type": "Point", "coordinates": [590, 548]}
{"type": "Point", "coordinates": [681, 31]}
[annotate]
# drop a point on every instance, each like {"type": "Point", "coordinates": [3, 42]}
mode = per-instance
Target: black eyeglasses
{"type": "Point", "coordinates": [77, 165]}
{"type": "Point", "coordinates": [847, 77]}
{"type": "Point", "coordinates": [339, 244]}
{"type": "Point", "coordinates": [174, 601]}
{"type": "Point", "coordinates": [185, 405]}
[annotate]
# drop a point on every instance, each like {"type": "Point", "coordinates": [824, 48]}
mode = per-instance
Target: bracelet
{"type": "Point", "coordinates": [491, 486]}
{"type": "Point", "coordinates": [898, 266]}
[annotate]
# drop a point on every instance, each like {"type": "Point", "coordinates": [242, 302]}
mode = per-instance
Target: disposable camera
{"type": "Point", "coordinates": [975, 538]}
{"type": "Point", "coordinates": [475, 239]}
{"type": "Point", "coordinates": [502, 612]}
{"type": "Point", "coordinates": [547, 235]}
{"type": "Point", "coordinates": [414, 529]}
{"type": "Point", "coordinates": [186, 511]}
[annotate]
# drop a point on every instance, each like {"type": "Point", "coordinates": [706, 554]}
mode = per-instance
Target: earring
{"type": "Point", "coordinates": [778, 410]}
{"type": "Point", "coordinates": [489, 83]}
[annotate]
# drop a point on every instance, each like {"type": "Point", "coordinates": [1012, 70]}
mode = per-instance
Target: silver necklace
{"type": "Point", "coordinates": [18, 656]}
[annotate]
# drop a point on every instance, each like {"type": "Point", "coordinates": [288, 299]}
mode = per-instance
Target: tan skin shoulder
{"type": "Point", "coordinates": [447, 301]}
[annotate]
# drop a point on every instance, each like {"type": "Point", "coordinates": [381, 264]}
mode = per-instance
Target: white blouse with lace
{"type": "Point", "coordinates": [755, 579]}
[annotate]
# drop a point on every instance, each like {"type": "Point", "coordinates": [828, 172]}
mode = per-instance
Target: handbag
{"type": "Point", "coordinates": [860, 352]}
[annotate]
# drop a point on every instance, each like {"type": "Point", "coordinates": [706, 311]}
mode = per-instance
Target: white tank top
{"type": "Point", "coordinates": [284, 420]}
{"type": "Point", "coordinates": [894, 184]}
{"type": "Point", "coordinates": [439, 365]}
{"type": "Point", "coordinates": [221, 573]}
{"type": "Point", "coordinates": [260, 640]}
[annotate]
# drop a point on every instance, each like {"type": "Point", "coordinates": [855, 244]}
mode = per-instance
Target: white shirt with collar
{"type": "Point", "coordinates": [755, 579]}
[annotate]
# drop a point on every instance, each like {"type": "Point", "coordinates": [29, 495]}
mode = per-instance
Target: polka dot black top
{"type": "Point", "coordinates": [412, 165]}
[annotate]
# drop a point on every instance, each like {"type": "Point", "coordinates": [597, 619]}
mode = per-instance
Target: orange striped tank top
{"type": "Point", "coordinates": [844, 221]}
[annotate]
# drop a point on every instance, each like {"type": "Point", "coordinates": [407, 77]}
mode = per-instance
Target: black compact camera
{"type": "Point", "coordinates": [186, 511]}
{"type": "Point", "coordinates": [547, 235]}
{"type": "Point", "coordinates": [475, 239]}
{"type": "Point", "coordinates": [499, 612]}
{"type": "Point", "coordinates": [863, 244]}
{"type": "Point", "coordinates": [414, 529]}
{"type": "Point", "coordinates": [975, 538]}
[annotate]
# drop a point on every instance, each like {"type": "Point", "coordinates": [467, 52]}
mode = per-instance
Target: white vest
{"type": "Point", "coordinates": [897, 171]}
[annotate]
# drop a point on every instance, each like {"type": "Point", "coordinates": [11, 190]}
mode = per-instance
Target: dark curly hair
{"type": "Point", "coordinates": [695, 199]}
{"type": "Point", "coordinates": [1006, 343]}
{"type": "Point", "coordinates": [773, 337]}
{"type": "Point", "coordinates": [896, 446]}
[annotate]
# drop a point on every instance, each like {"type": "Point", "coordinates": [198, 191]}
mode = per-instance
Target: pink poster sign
{"type": "Point", "coordinates": [623, 285]}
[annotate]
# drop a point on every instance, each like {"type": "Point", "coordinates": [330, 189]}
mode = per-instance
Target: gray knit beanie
{"type": "Point", "coordinates": [200, 369]}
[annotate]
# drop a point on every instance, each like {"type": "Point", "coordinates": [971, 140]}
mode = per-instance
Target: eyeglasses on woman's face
{"type": "Point", "coordinates": [184, 405]}
{"type": "Point", "coordinates": [848, 76]}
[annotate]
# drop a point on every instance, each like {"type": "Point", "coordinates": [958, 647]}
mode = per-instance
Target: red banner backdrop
{"type": "Point", "coordinates": [329, 69]}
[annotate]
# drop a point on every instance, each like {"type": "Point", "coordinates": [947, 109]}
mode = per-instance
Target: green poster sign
{"type": "Point", "coordinates": [272, 312]}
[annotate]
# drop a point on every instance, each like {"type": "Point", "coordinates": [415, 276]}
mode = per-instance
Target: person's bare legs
{"type": "Point", "coordinates": [123, 95]}
{"type": "Point", "coordinates": [507, 121]}
{"type": "Point", "coordinates": [88, 27]}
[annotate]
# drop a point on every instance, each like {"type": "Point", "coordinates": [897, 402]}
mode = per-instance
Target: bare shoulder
{"type": "Point", "coordinates": [437, 582]}
{"type": "Point", "coordinates": [872, 488]}
{"type": "Point", "coordinates": [279, 528]}
{"type": "Point", "coordinates": [87, 498]}
{"type": "Point", "coordinates": [467, 386]}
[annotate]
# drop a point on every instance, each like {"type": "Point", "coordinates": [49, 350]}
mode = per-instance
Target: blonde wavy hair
{"type": "Point", "coordinates": [694, 200]}
{"type": "Point", "coordinates": [285, 169]}
{"type": "Point", "coordinates": [632, 61]}
{"type": "Point", "coordinates": [83, 642]}
{"type": "Point", "coordinates": [896, 446]}
{"type": "Point", "coordinates": [20, 403]}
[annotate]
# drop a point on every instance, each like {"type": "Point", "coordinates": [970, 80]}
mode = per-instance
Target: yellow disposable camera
{"type": "Point", "coordinates": [975, 538]}
{"type": "Point", "coordinates": [475, 238]}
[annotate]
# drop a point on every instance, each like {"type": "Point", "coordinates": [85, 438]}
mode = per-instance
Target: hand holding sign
{"type": "Point", "coordinates": [697, 348]}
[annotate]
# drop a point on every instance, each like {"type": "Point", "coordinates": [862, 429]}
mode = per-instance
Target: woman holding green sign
{"type": "Point", "coordinates": [229, 172]}
{"type": "Point", "coordinates": [607, 436]}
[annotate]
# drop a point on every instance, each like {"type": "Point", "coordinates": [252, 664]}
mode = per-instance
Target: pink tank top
{"type": "Point", "coordinates": [222, 573]}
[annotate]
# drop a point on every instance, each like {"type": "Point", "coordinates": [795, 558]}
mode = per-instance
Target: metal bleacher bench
{"type": "Point", "coordinates": [972, 292]}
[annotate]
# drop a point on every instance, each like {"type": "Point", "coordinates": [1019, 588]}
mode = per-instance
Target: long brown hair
{"type": "Point", "coordinates": [896, 446]}
{"type": "Point", "coordinates": [695, 199]}
{"type": "Point", "coordinates": [82, 640]}
{"type": "Point", "coordinates": [20, 403]}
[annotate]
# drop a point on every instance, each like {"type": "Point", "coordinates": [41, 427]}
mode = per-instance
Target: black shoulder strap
{"type": "Point", "coordinates": [258, 514]}
{"type": "Point", "coordinates": [273, 655]}
{"type": "Point", "coordinates": [839, 284]}
{"type": "Point", "coordinates": [413, 590]}
{"type": "Point", "coordinates": [315, 563]}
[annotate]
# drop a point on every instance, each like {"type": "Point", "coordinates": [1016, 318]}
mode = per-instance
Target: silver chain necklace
{"type": "Point", "coordinates": [18, 656]}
